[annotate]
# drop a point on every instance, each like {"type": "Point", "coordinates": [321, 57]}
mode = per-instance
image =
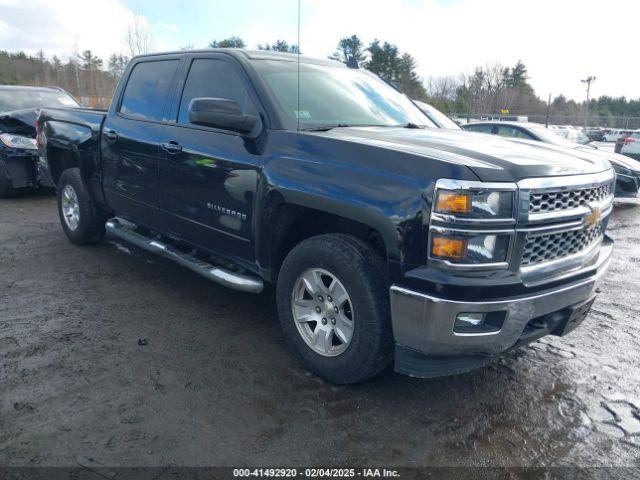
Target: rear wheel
{"type": "Point", "coordinates": [333, 304]}
{"type": "Point", "coordinates": [6, 189]}
{"type": "Point", "coordinates": [81, 220]}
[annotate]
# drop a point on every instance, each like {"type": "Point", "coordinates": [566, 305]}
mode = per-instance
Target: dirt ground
{"type": "Point", "coordinates": [213, 383]}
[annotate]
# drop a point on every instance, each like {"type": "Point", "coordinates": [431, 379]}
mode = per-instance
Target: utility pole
{"type": "Point", "coordinates": [548, 108]}
{"type": "Point", "coordinates": [589, 80]}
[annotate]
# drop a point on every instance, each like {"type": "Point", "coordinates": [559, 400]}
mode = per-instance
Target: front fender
{"type": "Point", "coordinates": [391, 205]}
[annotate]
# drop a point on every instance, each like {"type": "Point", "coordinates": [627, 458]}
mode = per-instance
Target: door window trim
{"type": "Point", "coordinates": [168, 98]}
{"type": "Point", "coordinates": [181, 83]}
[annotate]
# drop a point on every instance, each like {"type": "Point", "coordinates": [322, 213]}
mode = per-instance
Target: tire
{"type": "Point", "coordinates": [361, 273]}
{"type": "Point", "coordinates": [81, 220]}
{"type": "Point", "coordinates": [6, 189]}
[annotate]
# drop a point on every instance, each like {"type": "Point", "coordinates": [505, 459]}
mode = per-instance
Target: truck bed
{"type": "Point", "coordinates": [86, 117]}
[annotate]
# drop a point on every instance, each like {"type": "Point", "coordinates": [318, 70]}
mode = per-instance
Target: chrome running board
{"type": "Point", "coordinates": [227, 278]}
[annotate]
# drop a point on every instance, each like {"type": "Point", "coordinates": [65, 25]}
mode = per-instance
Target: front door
{"type": "Point", "coordinates": [208, 177]}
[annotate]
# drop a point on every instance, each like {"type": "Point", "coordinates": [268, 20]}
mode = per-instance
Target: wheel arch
{"type": "Point", "coordinates": [285, 224]}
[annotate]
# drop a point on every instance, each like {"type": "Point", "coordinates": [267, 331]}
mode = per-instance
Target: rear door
{"type": "Point", "coordinates": [208, 177]}
{"type": "Point", "coordinates": [131, 137]}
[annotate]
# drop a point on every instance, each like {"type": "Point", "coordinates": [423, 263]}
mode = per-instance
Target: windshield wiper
{"type": "Point", "coordinates": [325, 128]}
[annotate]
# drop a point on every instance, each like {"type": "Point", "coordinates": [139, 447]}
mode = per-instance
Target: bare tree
{"type": "Point", "coordinates": [138, 36]}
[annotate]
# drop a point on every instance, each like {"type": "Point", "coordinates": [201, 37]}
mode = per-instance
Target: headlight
{"type": "Point", "coordinates": [18, 141]}
{"type": "Point", "coordinates": [476, 204]}
{"type": "Point", "coordinates": [472, 224]}
{"type": "Point", "coordinates": [468, 248]}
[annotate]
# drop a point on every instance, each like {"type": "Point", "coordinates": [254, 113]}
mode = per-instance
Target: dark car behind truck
{"type": "Point", "coordinates": [387, 240]}
{"type": "Point", "coordinates": [19, 107]}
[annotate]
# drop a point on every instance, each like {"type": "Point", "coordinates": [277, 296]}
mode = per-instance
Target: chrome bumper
{"type": "Point", "coordinates": [424, 323]}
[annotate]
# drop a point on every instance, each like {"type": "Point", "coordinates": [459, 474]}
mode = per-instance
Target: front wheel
{"type": "Point", "coordinates": [333, 304]}
{"type": "Point", "coordinates": [81, 220]}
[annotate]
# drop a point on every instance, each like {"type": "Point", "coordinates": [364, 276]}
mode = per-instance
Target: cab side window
{"type": "Point", "coordinates": [214, 79]}
{"type": "Point", "coordinates": [147, 89]}
{"type": "Point", "coordinates": [514, 132]}
{"type": "Point", "coordinates": [479, 128]}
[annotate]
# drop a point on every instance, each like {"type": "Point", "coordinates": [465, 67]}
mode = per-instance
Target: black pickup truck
{"type": "Point", "coordinates": [388, 240]}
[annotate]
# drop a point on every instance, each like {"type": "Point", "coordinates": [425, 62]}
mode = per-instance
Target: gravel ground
{"type": "Point", "coordinates": [213, 383]}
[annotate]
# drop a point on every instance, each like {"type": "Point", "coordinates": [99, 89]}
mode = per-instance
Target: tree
{"type": "Point", "coordinates": [408, 81]}
{"type": "Point", "coordinates": [231, 42]}
{"type": "Point", "coordinates": [138, 37]}
{"type": "Point", "coordinates": [349, 47]}
{"type": "Point", "coordinates": [398, 69]}
{"type": "Point", "coordinates": [89, 62]}
{"type": "Point", "coordinates": [384, 60]}
{"type": "Point", "coordinates": [116, 65]}
{"type": "Point", "coordinates": [517, 77]}
{"type": "Point", "coordinates": [280, 46]}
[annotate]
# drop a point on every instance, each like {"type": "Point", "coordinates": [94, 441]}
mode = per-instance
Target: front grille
{"type": "Point", "coordinates": [543, 248]}
{"type": "Point", "coordinates": [557, 201]}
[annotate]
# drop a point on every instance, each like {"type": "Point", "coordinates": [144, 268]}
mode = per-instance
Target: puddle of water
{"type": "Point", "coordinates": [625, 415]}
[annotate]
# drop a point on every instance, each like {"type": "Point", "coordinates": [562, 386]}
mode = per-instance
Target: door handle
{"type": "Point", "coordinates": [172, 147]}
{"type": "Point", "coordinates": [111, 135]}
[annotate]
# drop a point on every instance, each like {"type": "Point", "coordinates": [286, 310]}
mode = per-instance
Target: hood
{"type": "Point", "coordinates": [616, 158]}
{"type": "Point", "coordinates": [22, 122]}
{"type": "Point", "coordinates": [491, 158]}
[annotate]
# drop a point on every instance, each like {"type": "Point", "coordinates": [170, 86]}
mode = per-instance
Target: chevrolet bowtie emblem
{"type": "Point", "coordinates": [594, 216]}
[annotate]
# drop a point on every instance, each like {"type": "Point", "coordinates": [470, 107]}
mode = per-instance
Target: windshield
{"type": "Point", "coordinates": [550, 136]}
{"type": "Point", "coordinates": [336, 96]}
{"type": "Point", "coordinates": [437, 117]}
{"type": "Point", "coordinates": [15, 99]}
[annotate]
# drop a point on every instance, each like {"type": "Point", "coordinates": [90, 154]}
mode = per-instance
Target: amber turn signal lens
{"type": "Point", "coordinates": [453, 248]}
{"type": "Point", "coordinates": [453, 202]}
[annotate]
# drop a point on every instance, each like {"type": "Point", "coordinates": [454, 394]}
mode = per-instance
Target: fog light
{"type": "Point", "coordinates": [469, 319]}
{"type": "Point", "coordinates": [479, 323]}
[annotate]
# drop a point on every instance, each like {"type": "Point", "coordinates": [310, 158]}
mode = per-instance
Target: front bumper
{"type": "Point", "coordinates": [22, 168]}
{"type": "Point", "coordinates": [423, 324]}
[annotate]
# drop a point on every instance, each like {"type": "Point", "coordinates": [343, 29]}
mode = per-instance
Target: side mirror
{"type": "Point", "coordinates": [221, 113]}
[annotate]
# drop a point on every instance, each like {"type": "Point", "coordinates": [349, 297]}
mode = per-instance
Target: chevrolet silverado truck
{"type": "Point", "coordinates": [388, 240]}
{"type": "Point", "coordinates": [19, 106]}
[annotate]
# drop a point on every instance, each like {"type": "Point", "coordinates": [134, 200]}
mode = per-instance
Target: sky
{"type": "Point", "coordinates": [560, 41]}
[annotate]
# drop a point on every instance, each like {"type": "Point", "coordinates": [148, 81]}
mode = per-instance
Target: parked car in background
{"type": "Point", "coordinates": [631, 146]}
{"type": "Point", "coordinates": [436, 116]}
{"type": "Point", "coordinates": [574, 135]}
{"type": "Point", "coordinates": [19, 107]}
{"type": "Point", "coordinates": [615, 134]}
{"type": "Point", "coordinates": [595, 134]}
{"type": "Point", "coordinates": [620, 142]}
{"type": "Point", "coordinates": [388, 240]}
{"type": "Point", "coordinates": [627, 169]}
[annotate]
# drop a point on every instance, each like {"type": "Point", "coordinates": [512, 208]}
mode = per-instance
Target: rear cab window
{"type": "Point", "coordinates": [147, 89]}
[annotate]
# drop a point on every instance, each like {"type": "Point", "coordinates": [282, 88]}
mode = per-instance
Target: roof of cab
{"type": "Point", "coordinates": [253, 55]}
